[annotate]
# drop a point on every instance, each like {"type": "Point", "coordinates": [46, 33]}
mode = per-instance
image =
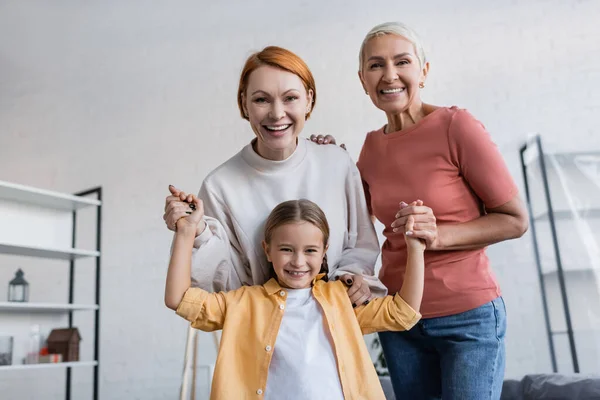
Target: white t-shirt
{"type": "Point", "coordinates": [303, 366]}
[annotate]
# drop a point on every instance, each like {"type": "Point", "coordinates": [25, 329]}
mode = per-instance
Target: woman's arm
{"type": "Point", "coordinates": [480, 164]}
{"type": "Point", "coordinates": [508, 221]}
{"type": "Point", "coordinates": [362, 247]}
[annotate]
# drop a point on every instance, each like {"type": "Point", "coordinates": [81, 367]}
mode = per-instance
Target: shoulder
{"type": "Point", "coordinates": [464, 129]}
{"type": "Point", "coordinates": [232, 165]}
{"type": "Point", "coordinates": [373, 136]}
{"type": "Point", "coordinates": [229, 171]}
{"type": "Point", "coordinates": [329, 155]}
{"type": "Point", "coordinates": [370, 149]}
{"type": "Point", "coordinates": [326, 150]}
{"type": "Point", "coordinates": [461, 119]}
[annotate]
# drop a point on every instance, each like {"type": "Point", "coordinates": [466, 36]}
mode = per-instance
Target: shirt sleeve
{"type": "Point", "coordinates": [479, 160]}
{"type": "Point", "coordinates": [206, 311]}
{"type": "Point", "coordinates": [217, 260]}
{"type": "Point", "coordinates": [389, 313]}
{"type": "Point", "coordinates": [362, 246]}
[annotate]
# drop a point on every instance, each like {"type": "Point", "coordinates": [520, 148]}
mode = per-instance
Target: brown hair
{"type": "Point", "coordinates": [279, 58]}
{"type": "Point", "coordinates": [299, 211]}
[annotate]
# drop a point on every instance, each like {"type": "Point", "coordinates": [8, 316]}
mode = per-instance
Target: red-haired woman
{"type": "Point", "coordinates": [276, 96]}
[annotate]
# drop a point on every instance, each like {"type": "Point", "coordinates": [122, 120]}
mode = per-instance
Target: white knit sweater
{"type": "Point", "coordinates": [239, 195]}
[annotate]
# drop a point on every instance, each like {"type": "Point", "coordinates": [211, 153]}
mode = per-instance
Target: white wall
{"type": "Point", "coordinates": [136, 95]}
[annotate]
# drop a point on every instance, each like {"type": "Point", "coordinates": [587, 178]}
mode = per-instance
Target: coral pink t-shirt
{"type": "Point", "coordinates": [449, 161]}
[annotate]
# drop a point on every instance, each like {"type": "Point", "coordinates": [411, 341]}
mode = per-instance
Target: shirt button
{"type": "Point", "coordinates": [282, 293]}
{"type": "Point", "coordinates": [259, 391]}
{"type": "Point", "coordinates": [281, 306]}
{"type": "Point", "coordinates": [268, 348]}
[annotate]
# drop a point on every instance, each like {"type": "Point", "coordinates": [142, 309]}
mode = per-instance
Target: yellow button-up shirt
{"type": "Point", "coordinates": [250, 318]}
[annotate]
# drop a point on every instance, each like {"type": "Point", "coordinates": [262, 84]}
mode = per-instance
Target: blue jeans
{"type": "Point", "coordinates": [458, 357]}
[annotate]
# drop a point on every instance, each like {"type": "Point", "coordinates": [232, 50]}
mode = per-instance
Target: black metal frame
{"type": "Point", "coordinates": [560, 272]}
{"type": "Point", "coordinates": [98, 192]}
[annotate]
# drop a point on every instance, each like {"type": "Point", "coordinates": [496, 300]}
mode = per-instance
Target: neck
{"type": "Point", "coordinates": [274, 155]}
{"type": "Point", "coordinates": [406, 118]}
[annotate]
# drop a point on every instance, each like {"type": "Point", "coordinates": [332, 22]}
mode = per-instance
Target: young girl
{"type": "Point", "coordinates": [297, 335]}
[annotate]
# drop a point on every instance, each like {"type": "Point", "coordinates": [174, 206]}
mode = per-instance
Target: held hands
{"type": "Point", "coordinates": [412, 243]}
{"type": "Point", "coordinates": [327, 139]}
{"type": "Point", "coordinates": [185, 209]}
{"type": "Point", "coordinates": [418, 224]}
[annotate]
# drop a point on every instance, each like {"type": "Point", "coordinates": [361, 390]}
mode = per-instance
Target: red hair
{"type": "Point", "coordinates": [279, 58]}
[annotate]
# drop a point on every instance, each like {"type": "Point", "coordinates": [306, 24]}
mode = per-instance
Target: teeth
{"type": "Point", "coordinates": [277, 127]}
{"type": "Point", "coordinates": [389, 91]}
{"type": "Point", "coordinates": [297, 273]}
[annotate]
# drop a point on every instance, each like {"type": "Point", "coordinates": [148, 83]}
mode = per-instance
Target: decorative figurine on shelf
{"type": "Point", "coordinates": [65, 342]}
{"type": "Point", "coordinates": [18, 288]}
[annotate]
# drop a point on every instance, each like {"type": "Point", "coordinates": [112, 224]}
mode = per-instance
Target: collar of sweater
{"type": "Point", "coordinates": [270, 166]}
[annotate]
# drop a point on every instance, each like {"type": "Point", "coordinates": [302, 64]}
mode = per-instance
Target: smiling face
{"type": "Point", "coordinates": [391, 73]}
{"type": "Point", "coordinates": [276, 103]}
{"type": "Point", "coordinates": [296, 251]}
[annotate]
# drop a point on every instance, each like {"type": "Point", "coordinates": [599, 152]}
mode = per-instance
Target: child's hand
{"type": "Point", "coordinates": [425, 223]}
{"type": "Point", "coordinates": [193, 217]}
{"type": "Point", "coordinates": [412, 243]}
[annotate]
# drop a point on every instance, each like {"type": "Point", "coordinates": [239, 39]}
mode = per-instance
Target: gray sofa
{"type": "Point", "coordinates": [537, 387]}
{"type": "Point", "coordinates": [552, 387]}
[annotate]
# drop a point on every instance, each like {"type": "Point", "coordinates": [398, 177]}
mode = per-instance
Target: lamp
{"type": "Point", "coordinates": [18, 288]}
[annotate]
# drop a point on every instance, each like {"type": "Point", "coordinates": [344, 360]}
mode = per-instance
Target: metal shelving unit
{"type": "Point", "coordinates": [68, 203]}
{"type": "Point", "coordinates": [562, 199]}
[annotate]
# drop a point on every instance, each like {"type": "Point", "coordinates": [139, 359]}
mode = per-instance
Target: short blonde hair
{"type": "Point", "coordinates": [393, 28]}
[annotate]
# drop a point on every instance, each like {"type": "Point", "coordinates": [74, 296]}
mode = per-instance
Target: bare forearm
{"type": "Point", "coordinates": [178, 275]}
{"type": "Point", "coordinates": [481, 232]}
{"type": "Point", "coordinates": [412, 288]}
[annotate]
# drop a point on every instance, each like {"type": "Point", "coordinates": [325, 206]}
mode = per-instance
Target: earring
{"type": "Point", "coordinates": [367, 93]}
{"type": "Point", "coordinates": [422, 85]}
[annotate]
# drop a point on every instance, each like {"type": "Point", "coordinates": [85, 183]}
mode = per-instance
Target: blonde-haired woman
{"type": "Point", "coordinates": [445, 158]}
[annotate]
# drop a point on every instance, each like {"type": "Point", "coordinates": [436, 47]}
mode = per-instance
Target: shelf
{"type": "Point", "coordinates": [48, 365]}
{"type": "Point", "coordinates": [567, 214]}
{"type": "Point", "coordinates": [60, 254]}
{"type": "Point", "coordinates": [45, 307]}
{"type": "Point", "coordinates": [44, 198]}
{"type": "Point", "coordinates": [532, 154]}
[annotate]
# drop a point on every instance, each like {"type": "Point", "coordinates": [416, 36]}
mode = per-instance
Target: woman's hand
{"type": "Point", "coordinates": [359, 291]}
{"type": "Point", "coordinates": [327, 139]}
{"type": "Point", "coordinates": [182, 205]}
{"type": "Point", "coordinates": [424, 223]}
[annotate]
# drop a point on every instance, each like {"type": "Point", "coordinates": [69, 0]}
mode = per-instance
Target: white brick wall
{"type": "Point", "coordinates": [137, 95]}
